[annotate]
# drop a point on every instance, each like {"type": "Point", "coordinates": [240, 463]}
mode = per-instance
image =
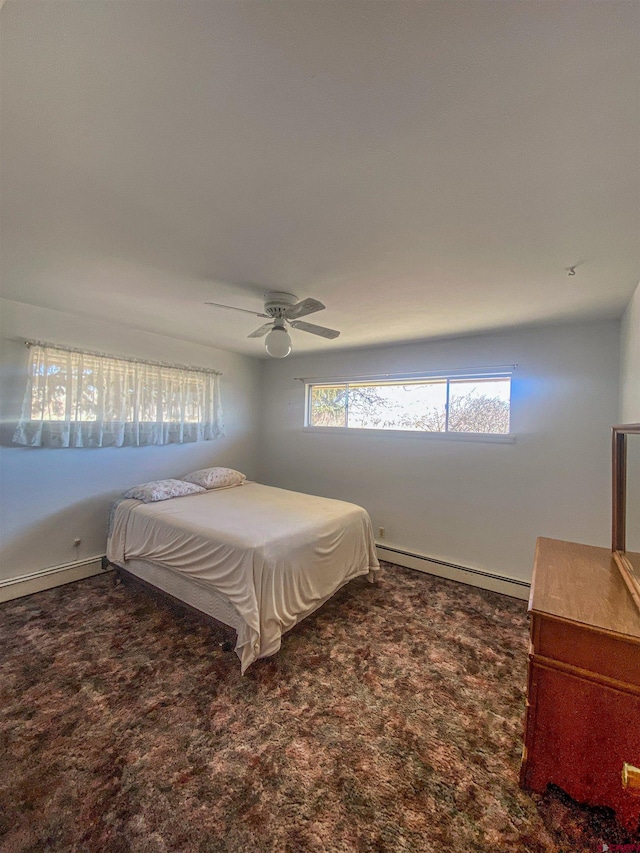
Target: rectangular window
{"type": "Point", "coordinates": [83, 399]}
{"type": "Point", "coordinates": [476, 404]}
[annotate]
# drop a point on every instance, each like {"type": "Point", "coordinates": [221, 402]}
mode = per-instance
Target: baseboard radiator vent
{"type": "Point", "coordinates": [474, 577]}
{"type": "Point", "coordinates": [69, 572]}
{"type": "Point", "coordinates": [53, 576]}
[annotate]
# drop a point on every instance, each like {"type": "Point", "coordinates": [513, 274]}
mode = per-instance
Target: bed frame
{"type": "Point", "coordinates": [169, 588]}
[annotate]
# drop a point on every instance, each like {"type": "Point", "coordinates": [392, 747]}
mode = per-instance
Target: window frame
{"type": "Point", "coordinates": [448, 376]}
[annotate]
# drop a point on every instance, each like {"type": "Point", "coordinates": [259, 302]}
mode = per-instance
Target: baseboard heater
{"type": "Point", "coordinates": [53, 576]}
{"type": "Point", "coordinates": [463, 574]}
{"type": "Point", "coordinates": [69, 572]}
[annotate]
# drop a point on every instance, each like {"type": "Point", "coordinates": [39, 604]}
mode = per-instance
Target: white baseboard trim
{"type": "Point", "coordinates": [48, 578]}
{"type": "Point", "coordinates": [463, 574]}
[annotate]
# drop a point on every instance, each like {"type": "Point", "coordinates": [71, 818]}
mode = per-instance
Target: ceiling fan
{"type": "Point", "coordinates": [283, 309]}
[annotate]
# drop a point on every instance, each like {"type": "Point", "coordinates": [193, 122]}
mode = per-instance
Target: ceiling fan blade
{"type": "Point", "coordinates": [262, 331]}
{"type": "Point", "coordinates": [233, 308]}
{"type": "Point", "coordinates": [301, 309]}
{"type": "Point", "coordinates": [322, 331]}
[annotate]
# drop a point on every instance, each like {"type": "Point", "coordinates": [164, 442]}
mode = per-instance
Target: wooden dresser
{"type": "Point", "coordinates": [582, 727]}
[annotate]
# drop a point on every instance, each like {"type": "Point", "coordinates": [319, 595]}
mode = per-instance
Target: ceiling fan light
{"type": "Point", "coordinates": [278, 343]}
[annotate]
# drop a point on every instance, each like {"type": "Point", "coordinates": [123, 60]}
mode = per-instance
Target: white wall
{"type": "Point", "coordinates": [480, 505]}
{"type": "Point", "coordinates": [49, 497]}
{"type": "Point", "coordinates": [630, 362]}
{"type": "Point", "coordinates": [476, 504]}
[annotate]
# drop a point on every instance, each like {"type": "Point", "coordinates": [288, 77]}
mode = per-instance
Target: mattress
{"type": "Point", "coordinates": [274, 555]}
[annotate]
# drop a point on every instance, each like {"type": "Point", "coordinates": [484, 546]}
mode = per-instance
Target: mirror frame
{"type": "Point", "coordinates": [630, 574]}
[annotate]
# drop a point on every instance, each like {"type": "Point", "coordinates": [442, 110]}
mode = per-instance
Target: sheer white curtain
{"type": "Point", "coordinates": [81, 399]}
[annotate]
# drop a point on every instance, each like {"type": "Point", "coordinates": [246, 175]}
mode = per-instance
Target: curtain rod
{"type": "Point", "coordinates": [65, 348]}
{"type": "Point", "coordinates": [411, 374]}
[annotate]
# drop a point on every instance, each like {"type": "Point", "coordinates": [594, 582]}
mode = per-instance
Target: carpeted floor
{"type": "Point", "coordinates": [390, 720]}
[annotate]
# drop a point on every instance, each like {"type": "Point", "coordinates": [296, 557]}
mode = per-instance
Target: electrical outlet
{"type": "Point", "coordinates": [381, 532]}
{"type": "Point", "coordinates": [76, 542]}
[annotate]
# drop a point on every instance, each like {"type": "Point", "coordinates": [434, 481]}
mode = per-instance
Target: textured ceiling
{"type": "Point", "coordinates": [424, 168]}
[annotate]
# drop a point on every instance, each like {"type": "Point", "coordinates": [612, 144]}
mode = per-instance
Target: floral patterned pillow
{"type": "Point", "coordinates": [162, 490]}
{"type": "Point", "coordinates": [216, 478]}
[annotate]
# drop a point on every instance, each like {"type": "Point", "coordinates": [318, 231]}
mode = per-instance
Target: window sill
{"type": "Point", "coordinates": [489, 438]}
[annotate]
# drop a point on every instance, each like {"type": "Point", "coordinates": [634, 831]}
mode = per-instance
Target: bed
{"type": "Point", "coordinates": [255, 557]}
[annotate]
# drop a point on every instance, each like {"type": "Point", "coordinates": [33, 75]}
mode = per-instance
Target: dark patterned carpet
{"type": "Point", "coordinates": [390, 720]}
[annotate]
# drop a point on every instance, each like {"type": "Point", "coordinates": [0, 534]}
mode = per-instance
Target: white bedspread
{"type": "Point", "coordinates": [276, 555]}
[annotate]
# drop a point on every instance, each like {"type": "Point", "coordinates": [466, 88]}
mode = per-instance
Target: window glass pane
{"type": "Point", "coordinates": [86, 392]}
{"type": "Point", "coordinates": [49, 390]}
{"type": "Point", "coordinates": [80, 399]}
{"type": "Point", "coordinates": [328, 405]}
{"type": "Point", "coordinates": [408, 406]}
{"type": "Point", "coordinates": [479, 405]}
{"type": "Point", "coordinates": [85, 388]}
{"type": "Point", "coordinates": [180, 394]}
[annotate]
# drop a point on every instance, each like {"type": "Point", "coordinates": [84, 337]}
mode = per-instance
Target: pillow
{"type": "Point", "coordinates": [162, 490]}
{"type": "Point", "coordinates": [216, 478]}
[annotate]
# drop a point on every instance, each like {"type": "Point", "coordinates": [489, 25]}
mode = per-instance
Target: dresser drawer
{"type": "Point", "coordinates": [602, 654]}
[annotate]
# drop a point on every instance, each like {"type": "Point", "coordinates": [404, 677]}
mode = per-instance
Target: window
{"type": "Point", "coordinates": [471, 403]}
{"type": "Point", "coordinates": [83, 399]}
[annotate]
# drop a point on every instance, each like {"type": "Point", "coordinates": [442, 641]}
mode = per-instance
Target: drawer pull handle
{"type": "Point", "coordinates": [630, 776]}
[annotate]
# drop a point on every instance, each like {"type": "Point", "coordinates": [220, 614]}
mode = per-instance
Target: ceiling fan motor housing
{"type": "Point", "coordinates": [277, 302]}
